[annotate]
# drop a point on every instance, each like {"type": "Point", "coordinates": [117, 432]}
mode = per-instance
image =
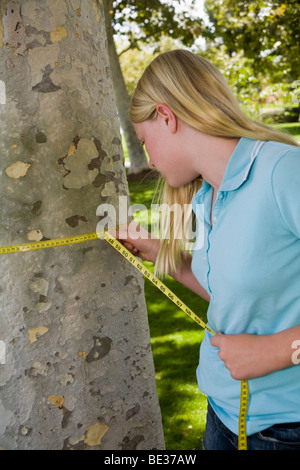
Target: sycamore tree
{"type": "Point", "coordinates": [76, 369]}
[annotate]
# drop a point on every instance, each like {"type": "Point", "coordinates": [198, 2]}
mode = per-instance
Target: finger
{"type": "Point", "coordinates": [127, 245]}
{"type": "Point", "coordinates": [216, 340]}
{"type": "Point", "coordinates": [130, 247]}
{"type": "Point", "coordinates": [121, 232]}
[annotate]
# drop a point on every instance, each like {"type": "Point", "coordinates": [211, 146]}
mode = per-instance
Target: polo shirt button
{"type": "Point", "coordinates": [215, 219]}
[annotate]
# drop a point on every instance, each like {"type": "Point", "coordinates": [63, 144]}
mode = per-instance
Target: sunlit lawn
{"type": "Point", "coordinates": [175, 340]}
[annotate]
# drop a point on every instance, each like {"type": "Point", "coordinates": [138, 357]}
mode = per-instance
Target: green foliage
{"type": "Point", "coordinates": [267, 31]}
{"type": "Point", "coordinates": [254, 44]}
{"type": "Point", "coordinates": [149, 19]}
{"type": "Point", "coordinates": [281, 115]}
{"type": "Point", "coordinates": [134, 62]}
{"type": "Point", "coordinates": [252, 88]}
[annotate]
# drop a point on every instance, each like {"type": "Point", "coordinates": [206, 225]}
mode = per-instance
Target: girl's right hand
{"type": "Point", "coordinates": [138, 241]}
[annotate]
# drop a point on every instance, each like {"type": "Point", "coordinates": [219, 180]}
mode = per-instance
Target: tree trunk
{"type": "Point", "coordinates": [76, 369]}
{"type": "Point", "coordinates": [138, 160]}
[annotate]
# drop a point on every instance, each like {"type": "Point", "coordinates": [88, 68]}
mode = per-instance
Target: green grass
{"type": "Point", "coordinates": [292, 128]}
{"type": "Point", "coordinates": [175, 340]}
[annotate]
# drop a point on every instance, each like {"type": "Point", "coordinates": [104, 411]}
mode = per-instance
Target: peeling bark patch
{"type": "Point", "coordinates": [74, 220]}
{"type": "Point", "coordinates": [24, 431]}
{"type": "Point", "coordinates": [81, 165]}
{"type": "Point", "coordinates": [116, 158]}
{"type": "Point", "coordinates": [109, 189]}
{"type": "Point", "coordinates": [36, 207]}
{"type": "Point", "coordinates": [59, 34]}
{"type": "Point", "coordinates": [128, 280]}
{"type": "Point", "coordinates": [2, 353]}
{"type": "Point", "coordinates": [99, 181]}
{"type": "Point", "coordinates": [94, 434]}
{"type": "Point", "coordinates": [35, 235]}
{"type": "Point", "coordinates": [96, 162]}
{"type": "Point", "coordinates": [14, 30]}
{"type": "Point", "coordinates": [100, 349]}
{"type": "Point", "coordinates": [131, 444]}
{"type": "Point", "coordinates": [17, 170]}
{"type": "Point", "coordinates": [40, 138]}
{"type": "Point", "coordinates": [46, 85]}
{"type": "Point", "coordinates": [37, 369]}
{"type": "Point", "coordinates": [82, 354]}
{"type": "Point", "coordinates": [9, 64]}
{"type": "Point", "coordinates": [133, 411]}
{"type": "Point", "coordinates": [40, 286]}
{"type": "Point", "coordinates": [42, 39]}
{"type": "Point", "coordinates": [57, 400]}
{"type": "Point", "coordinates": [35, 333]}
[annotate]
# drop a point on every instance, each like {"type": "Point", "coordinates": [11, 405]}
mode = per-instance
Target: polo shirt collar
{"type": "Point", "coordinates": [240, 163]}
{"type": "Point", "coordinates": [237, 169]}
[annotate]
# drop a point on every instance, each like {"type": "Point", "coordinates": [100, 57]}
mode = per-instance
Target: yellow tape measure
{"type": "Point", "coordinates": [244, 400]}
{"type": "Point", "coordinates": [244, 397]}
{"type": "Point", "coordinates": [48, 243]}
{"type": "Point", "coordinates": [242, 440]}
{"type": "Point", "coordinates": [157, 282]}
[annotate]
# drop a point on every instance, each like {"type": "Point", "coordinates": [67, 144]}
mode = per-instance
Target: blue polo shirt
{"type": "Point", "coordinates": [250, 266]}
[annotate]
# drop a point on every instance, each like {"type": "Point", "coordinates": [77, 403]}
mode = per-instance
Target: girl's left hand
{"type": "Point", "coordinates": [246, 356]}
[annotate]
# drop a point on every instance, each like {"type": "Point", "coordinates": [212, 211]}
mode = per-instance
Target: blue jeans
{"type": "Point", "coordinates": [278, 437]}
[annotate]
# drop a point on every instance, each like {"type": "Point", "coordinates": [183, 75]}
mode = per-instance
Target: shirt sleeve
{"type": "Point", "coordinates": [286, 189]}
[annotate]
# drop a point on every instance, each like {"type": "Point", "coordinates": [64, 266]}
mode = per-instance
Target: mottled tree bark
{"type": "Point", "coordinates": [76, 369]}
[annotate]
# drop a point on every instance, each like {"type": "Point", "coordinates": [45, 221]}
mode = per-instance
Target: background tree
{"type": "Point", "coordinates": [137, 156]}
{"type": "Point", "coordinates": [143, 22]}
{"type": "Point", "coordinates": [76, 369]}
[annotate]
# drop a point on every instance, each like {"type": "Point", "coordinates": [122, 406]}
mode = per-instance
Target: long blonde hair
{"type": "Point", "coordinates": [199, 96]}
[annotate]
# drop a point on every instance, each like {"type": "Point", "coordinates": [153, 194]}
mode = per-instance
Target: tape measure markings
{"type": "Point", "coordinates": [157, 282]}
{"type": "Point", "coordinates": [244, 400]}
{"type": "Point", "coordinates": [55, 242]}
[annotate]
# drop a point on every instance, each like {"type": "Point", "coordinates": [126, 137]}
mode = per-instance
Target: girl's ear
{"type": "Point", "coordinates": [167, 115]}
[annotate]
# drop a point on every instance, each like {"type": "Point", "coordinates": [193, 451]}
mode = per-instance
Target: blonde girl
{"type": "Point", "coordinates": [246, 178]}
